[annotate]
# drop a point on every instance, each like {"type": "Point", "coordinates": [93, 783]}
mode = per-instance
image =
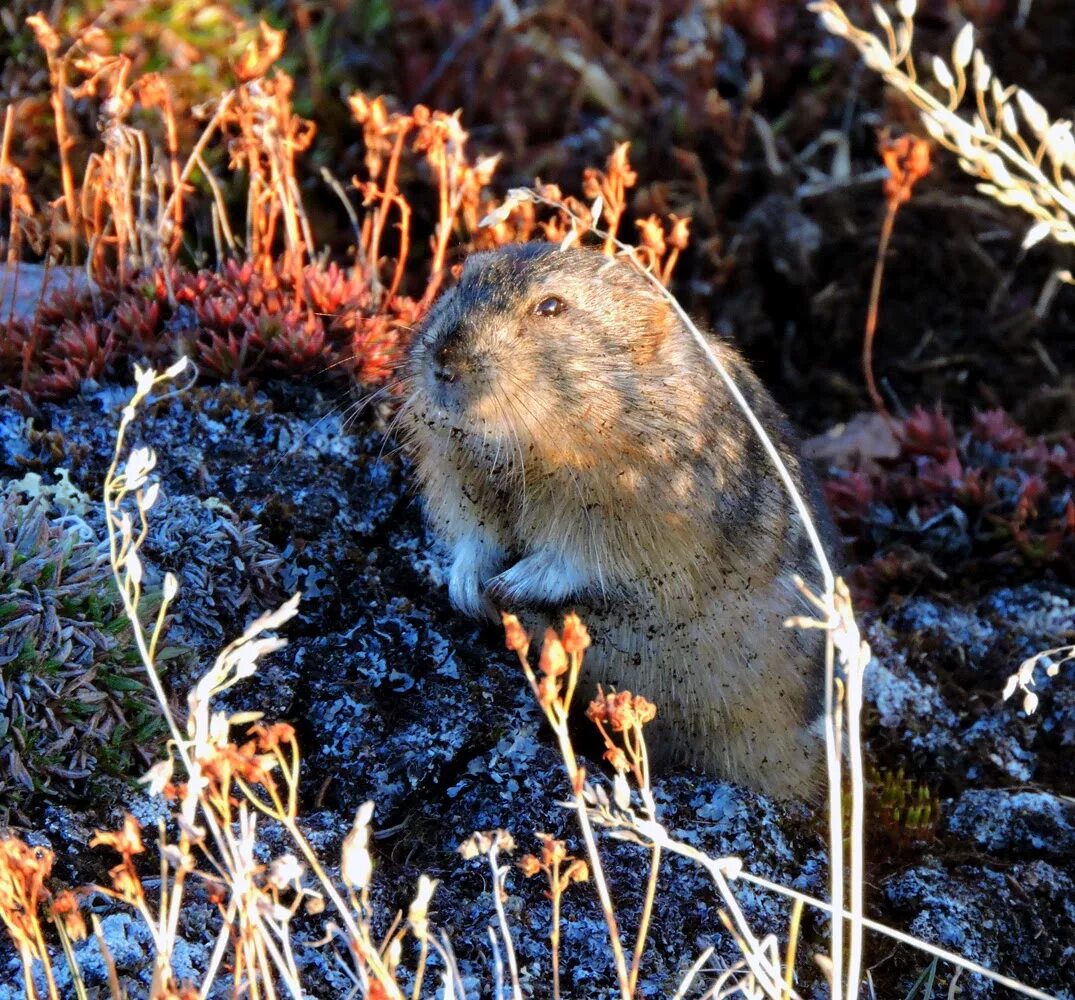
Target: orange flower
{"type": "Point", "coordinates": [127, 841]}
{"type": "Point", "coordinates": [530, 865]}
{"type": "Point", "coordinates": [65, 911]}
{"type": "Point", "coordinates": [261, 54]}
{"type": "Point", "coordinates": [908, 161]}
{"type": "Point", "coordinates": [515, 636]}
{"type": "Point", "coordinates": [553, 662]}
{"type": "Point", "coordinates": [270, 737]}
{"type": "Point", "coordinates": [576, 638]}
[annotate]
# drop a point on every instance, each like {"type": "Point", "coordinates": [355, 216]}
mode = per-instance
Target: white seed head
{"type": "Point", "coordinates": [906, 8]}
{"type": "Point", "coordinates": [833, 23]}
{"type": "Point", "coordinates": [963, 46]}
{"type": "Point", "coordinates": [933, 127]}
{"type": "Point", "coordinates": [1007, 119]}
{"type": "Point", "coordinates": [143, 381]}
{"type": "Point", "coordinates": [982, 73]}
{"type": "Point", "coordinates": [497, 215]}
{"type": "Point", "coordinates": [1059, 141]}
{"type": "Point", "coordinates": [941, 73]}
{"type": "Point", "coordinates": [171, 586]}
{"type": "Point", "coordinates": [997, 170]}
{"type": "Point", "coordinates": [139, 464]}
{"type": "Point", "coordinates": [177, 368]}
{"type": "Point", "coordinates": [418, 913]}
{"type": "Point", "coordinates": [285, 870]}
{"type": "Point", "coordinates": [158, 776]}
{"type": "Point", "coordinates": [219, 727]}
{"type": "Point", "coordinates": [621, 791]}
{"type": "Point", "coordinates": [149, 498]}
{"type": "Point", "coordinates": [356, 865]}
{"type": "Point", "coordinates": [1036, 116]}
{"type": "Point", "coordinates": [875, 55]}
{"type": "Point", "coordinates": [882, 16]}
{"type": "Point", "coordinates": [134, 567]}
{"type": "Point", "coordinates": [1036, 233]}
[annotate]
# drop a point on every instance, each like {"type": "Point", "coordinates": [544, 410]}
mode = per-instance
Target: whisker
{"type": "Point", "coordinates": [390, 430]}
{"type": "Point", "coordinates": [356, 409]}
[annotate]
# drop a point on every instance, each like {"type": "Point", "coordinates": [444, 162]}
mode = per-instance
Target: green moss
{"type": "Point", "coordinates": [901, 812]}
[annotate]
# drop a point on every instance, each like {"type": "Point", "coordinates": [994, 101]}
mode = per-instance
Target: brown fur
{"type": "Point", "coordinates": [594, 460]}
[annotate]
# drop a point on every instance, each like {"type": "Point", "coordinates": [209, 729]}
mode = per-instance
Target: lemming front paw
{"type": "Point", "coordinates": [471, 565]}
{"type": "Point", "coordinates": [544, 579]}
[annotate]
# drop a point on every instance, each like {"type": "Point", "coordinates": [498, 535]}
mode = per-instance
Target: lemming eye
{"type": "Point", "coordinates": [551, 306]}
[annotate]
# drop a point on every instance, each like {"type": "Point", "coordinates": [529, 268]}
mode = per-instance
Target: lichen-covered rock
{"type": "Point", "coordinates": [1015, 919]}
{"type": "Point", "coordinates": [1021, 822]}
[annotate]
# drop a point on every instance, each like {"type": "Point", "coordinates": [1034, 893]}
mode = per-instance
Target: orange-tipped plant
{"type": "Point", "coordinates": [560, 870]}
{"type": "Point", "coordinates": [908, 161]}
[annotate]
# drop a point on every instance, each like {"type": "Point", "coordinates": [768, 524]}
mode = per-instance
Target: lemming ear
{"type": "Point", "coordinates": [660, 321]}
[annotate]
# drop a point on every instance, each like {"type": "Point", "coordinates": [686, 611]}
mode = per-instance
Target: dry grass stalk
{"type": "Point", "coordinates": [57, 64]}
{"type": "Point", "coordinates": [1023, 679]}
{"type": "Point", "coordinates": [572, 221]}
{"type": "Point", "coordinates": [266, 138]}
{"type": "Point", "coordinates": [226, 783]}
{"type": "Point", "coordinates": [129, 207]}
{"type": "Point", "coordinates": [441, 141]}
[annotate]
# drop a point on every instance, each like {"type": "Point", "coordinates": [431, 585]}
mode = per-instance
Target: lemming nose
{"type": "Point", "coordinates": [450, 359]}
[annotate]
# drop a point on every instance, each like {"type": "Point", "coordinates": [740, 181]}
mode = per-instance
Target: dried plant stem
{"type": "Point", "coordinates": [854, 667]}
{"type": "Point", "coordinates": [106, 956]}
{"type": "Point", "coordinates": [423, 961]}
{"type": "Point", "coordinates": [871, 313]}
{"type": "Point", "coordinates": [502, 919]}
{"type": "Point", "coordinates": [388, 198]}
{"type": "Point", "coordinates": [58, 76]}
{"type": "Point", "coordinates": [992, 142]}
{"type": "Point", "coordinates": [443, 232]}
{"type": "Point", "coordinates": [554, 932]}
{"type": "Point", "coordinates": [647, 914]}
{"type": "Point", "coordinates": [72, 962]}
{"type": "Point", "coordinates": [793, 947]}
{"type": "Point", "coordinates": [195, 157]}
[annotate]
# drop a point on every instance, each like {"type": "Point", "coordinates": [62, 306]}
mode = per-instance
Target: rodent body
{"type": "Point", "coordinates": [576, 450]}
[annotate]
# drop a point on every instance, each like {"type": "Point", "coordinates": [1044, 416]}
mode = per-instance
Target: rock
{"type": "Point", "coordinates": [21, 285]}
{"type": "Point", "coordinates": [1018, 822]}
